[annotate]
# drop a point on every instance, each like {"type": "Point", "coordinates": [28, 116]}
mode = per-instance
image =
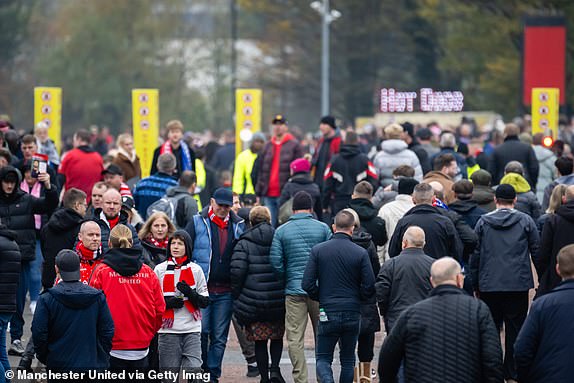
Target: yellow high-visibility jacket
{"type": "Point", "coordinates": [242, 173]}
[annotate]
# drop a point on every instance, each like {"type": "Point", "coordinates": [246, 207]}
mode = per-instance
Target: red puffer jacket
{"type": "Point", "coordinates": [134, 296]}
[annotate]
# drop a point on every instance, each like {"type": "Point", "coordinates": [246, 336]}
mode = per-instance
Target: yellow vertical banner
{"type": "Point", "coordinates": [145, 111]}
{"type": "Point", "coordinates": [545, 108]}
{"type": "Point", "coordinates": [48, 109]}
{"type": "Point", "coordinates": [247, 116]}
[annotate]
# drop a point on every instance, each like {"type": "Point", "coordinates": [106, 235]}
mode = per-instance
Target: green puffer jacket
{"type": "Point", "coordinates": [291, 248]}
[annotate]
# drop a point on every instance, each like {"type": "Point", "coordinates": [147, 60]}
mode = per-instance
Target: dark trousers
{"type": "Point", "coordinates": [509, 308]}
{"type": "Point", "coordinates": [365, 346]}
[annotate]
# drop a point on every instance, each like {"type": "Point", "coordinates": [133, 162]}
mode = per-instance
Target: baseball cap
{"type": "Point", "coordinates": [127, 202]}
{"type": "Point", "coordinates": [68, 263]}
{"type": "Point", "coordinates": [279, 119]}
{"type": "Point", "coordinates": [223, 197]}
{"type": "Point", "coordinates": [113, 169]}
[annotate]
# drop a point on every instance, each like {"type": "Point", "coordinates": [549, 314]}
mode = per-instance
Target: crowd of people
{"type": "Point", "coordinates": [433, 234]}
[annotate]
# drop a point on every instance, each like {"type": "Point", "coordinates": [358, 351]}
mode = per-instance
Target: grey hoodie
{"type": "Point", "coordinates": [393, 154]}
{"type": "Point", "coordinates": [501, 263]}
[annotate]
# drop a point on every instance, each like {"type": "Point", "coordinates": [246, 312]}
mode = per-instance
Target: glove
{"type": "Point", "coordinates": [185, 288]}
{"type": "Point", "coordinates": [173, 303]}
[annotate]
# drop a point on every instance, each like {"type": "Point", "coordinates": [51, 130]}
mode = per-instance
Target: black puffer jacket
{"type": "Point", "coordinates": [424, 336]}
{"type": "Point", "coordinates": [556, 234]}
{"type": "Point", "coordinates": [370, 220]}
{"type": "Point", "coordinates": [370, 319]}
{"type": "Point", "coordinates": [17, 213]}
{"type": "Point", "coordinates": [259, 295]}
{"type": "Point", "coordinates": [9, 270]}
{"type": "Point", "coordinates": [61, 232]}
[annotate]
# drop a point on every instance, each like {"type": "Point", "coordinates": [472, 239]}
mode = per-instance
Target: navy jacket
{"type": "Point", "coordinates": [543, 349]}
{"type": "Point", "coordinates": [73, 328]}
{"type": "Point", "coordinates": [436, 225]}
{"type": "Point", "coordinates": [469, 210]}
{"type": "Point", "coordinates": [507, 239]}
{"type": "Point", "coordinates": [339, 275]}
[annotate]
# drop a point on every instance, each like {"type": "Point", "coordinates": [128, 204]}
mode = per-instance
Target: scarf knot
{"type": "Point", "coordinates": [221, 223]}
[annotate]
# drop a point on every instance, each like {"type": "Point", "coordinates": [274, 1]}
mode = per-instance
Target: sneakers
{"type": "Point", "coordinates": [16, 348]}
{"type": "Point", "coordinates": [252, 371]}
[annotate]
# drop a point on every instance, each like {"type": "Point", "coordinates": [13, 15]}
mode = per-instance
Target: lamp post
{"type": "Point", "coordinates": [328, 15]}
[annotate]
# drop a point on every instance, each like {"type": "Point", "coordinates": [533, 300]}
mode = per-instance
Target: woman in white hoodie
{"type": "Point", "coordinates": [394, 152]}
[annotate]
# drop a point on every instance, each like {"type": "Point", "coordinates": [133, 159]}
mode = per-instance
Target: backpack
{"type": "Point", "coordinates": [285, 211]}
{"type": "Point", "coordinates": [171, 206]}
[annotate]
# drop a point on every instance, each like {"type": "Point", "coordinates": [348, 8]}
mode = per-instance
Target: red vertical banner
{"type": "Point", "coordinates": [544, 56]}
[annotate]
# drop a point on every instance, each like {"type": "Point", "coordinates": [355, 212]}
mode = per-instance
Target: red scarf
{"type": "Point", "coordinates": [86, 253]}
{"type": "Point", "coordinates": [186, 274]}
{"type": "Point", "coordinates": [156, 243]}
{"type": "Point", "coordinates": [221, 223]}
{"type": "Point", "coordinates": [113, 221]}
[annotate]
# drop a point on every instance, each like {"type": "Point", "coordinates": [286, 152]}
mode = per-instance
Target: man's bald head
{"type": "Point", "coordinates": [438, 189]}
{"type": "Point", "coordinates": [446, 271]}
{"type": "Point", "coordinates": [414, 237]}
{"type": "Point", "coordinates": [90, 235]}
{"type": "Point", "coordinates": [112, 203]}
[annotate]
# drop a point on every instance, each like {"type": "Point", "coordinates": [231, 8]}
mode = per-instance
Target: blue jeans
{"type": "Point", "coordinates": [215, 322]}
{"type": "Point", "coordinates": [17, 322]}
{"type": "Point", "coordinates": [272, 203]}
{"type": "Point", "coordinates": [4, 362]}
{"type": "Point", "coordinates": [342, 328]}
{"type": "Point", "coordinates": [35, 283]}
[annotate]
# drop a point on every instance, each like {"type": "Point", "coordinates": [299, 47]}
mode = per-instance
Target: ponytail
{"type": "Point", "coordinates": [121, 237]}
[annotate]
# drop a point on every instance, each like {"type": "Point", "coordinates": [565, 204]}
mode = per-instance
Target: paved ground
{"type": "Point", "coordinates": [234, 365]}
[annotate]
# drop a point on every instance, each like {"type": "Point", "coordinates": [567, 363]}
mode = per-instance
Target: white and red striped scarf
{"type": "Point", "coordinates": [186, 274]}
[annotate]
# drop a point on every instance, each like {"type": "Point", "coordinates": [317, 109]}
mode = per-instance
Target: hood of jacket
{"type": "Point", "coordinates": [74, 295]}
{"type": "Point", "coordinates": [175, 190]}
{"type": "Point", "coordinates": [301, 179]}
{"type": "Point", "coordinates": [542, 154]}
{"type": "Point", "coordinates": [64, 219]}
{"type": "Point", "coordinates": [463, 206]}
{"type": "Point", "coordinates": [348, 151]}
{"type": "Point", "coordinates": [182, 234]}
{"type": "Point", "coordinates": [566, 211]}
{"type": "Point", "coordinates": [260, 234]}
{"type": "Point", "coordinates": [362, 238]}
{"type": "Point", "coordinates": [126, 261]}
{"type": "Point", "coordinates": [502, 218]}
{"type": "Point", "coordinates": [483, 194]}
{"type": "Point", "coordinates": [393, 146]}
{"type": "Point", "coordinates": [364, 208]}
{"type": "Point", "coordinates": [86, 149]}
{"type": "Point", "coordinates": [3, 174]}
{"type": "Point", "coordinates": [518, 182]}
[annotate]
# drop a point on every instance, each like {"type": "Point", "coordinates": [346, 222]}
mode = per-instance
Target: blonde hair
{"type": "Point", "coordinates": [355, 215]}
{"type": "Point", "coordinates": [146, 229]}
{"type": "Point", "coordinates": [393, 131]}
{"type": "Point", "coordinates": [173, 125]}
{"type": "Point", "coordinates": [121, 138]}
{"type": "Point", "coordinates": [556, 198]}
{"type": "Point", "coordinates": [121, 237]}
{"type": "Point", "coordinates": [259, 214]}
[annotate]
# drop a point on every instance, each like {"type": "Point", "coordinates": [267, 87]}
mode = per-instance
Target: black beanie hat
{"type": "Point", "coordinates": [329, 120]}
{"type": "Point", "coordinates": [505, 192]}
{"type": "Point", "coordinates": [302, 201]}
{"type": "Point", "coordinates": [407, 185]}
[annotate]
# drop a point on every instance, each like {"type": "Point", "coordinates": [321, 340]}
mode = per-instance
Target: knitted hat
{"type": "Point", "coordinates": [407, 185]}
{"type": "Point", "coordinates": [506, 192]}
{"type": "Point", "coordinates": [300, 165]}
{"type": "Point", "coordinates": [329, 120]}
{"type": "Point", "coordinates": [302, 201]}
{"type": "Point", "coordinates": [481, 177]}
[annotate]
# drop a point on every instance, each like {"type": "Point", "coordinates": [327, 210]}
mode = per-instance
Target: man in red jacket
{"type": "Point", "coordinates": [274, 163]}
{"type": "Point", "coordinates": [82, 166]}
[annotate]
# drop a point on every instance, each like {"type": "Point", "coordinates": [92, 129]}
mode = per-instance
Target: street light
{"type": "Point", "coordinates": [328, 15]}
